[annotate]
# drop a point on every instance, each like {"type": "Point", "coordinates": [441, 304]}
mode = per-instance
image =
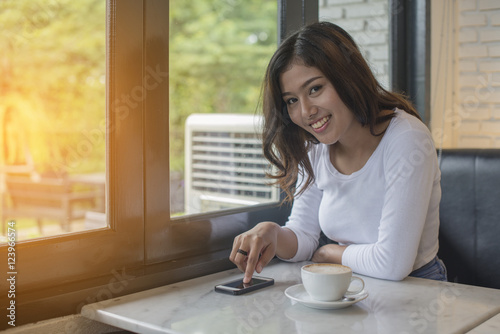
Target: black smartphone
{"type": "Point", "coordinates": [237, 287]}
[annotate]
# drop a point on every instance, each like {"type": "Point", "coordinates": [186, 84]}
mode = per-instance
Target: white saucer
{"type": "Point", "coordinates": [299, 294]}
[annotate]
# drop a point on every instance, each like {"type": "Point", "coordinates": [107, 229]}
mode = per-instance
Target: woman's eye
{"type": "Point", "coordinates": [291, 101]}
{"type": "Point", "coordinates": [315, 89]}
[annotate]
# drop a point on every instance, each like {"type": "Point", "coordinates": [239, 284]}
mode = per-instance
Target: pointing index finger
{"type": "Point", "coordinates": [253, 258]}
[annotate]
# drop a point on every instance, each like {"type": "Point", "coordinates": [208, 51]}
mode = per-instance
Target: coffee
{"type": "Point", "coordinates": [328, 281]}
{"type": "Point", "coordinates": [327, 268]}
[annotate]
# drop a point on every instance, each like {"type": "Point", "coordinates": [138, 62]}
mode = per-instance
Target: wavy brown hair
{"type": "Point", "coordinates": [332, 50]}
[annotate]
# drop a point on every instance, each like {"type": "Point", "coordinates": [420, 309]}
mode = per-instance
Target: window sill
{"type": "Point", "coordinates": [67, 299]}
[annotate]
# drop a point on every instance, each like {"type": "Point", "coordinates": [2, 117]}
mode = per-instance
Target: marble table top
{"type": "Point", "coordinates": [413, 305]}
{"type": "Point", "coordinates": [488, 327]}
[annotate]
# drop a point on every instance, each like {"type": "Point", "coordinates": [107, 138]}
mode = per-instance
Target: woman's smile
{"type": "Point", "coordinates": [321, 124]}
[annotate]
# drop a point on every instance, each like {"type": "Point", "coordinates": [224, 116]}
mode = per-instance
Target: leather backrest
{"type": "Point", "coordinates": [470, 216]}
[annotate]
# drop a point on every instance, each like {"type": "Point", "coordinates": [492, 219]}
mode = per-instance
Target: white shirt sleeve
{"type": "Point", "coordinates": [303, 221]}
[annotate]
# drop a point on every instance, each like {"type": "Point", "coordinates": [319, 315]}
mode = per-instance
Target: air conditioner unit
{"type": "Point", "coordinates": [224, 164]}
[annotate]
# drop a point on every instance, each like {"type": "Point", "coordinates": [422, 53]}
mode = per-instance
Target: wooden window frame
{"type": "Point", "coordinates": [143, 247]}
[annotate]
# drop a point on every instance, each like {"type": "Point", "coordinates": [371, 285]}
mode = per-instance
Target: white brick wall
{"type": "Point", "coordinates": [494, 50]}
{"type": "Point", "coordinates": [489, 4]}
{"type": "Point", "coordinates": [473, 19]}
{"type": "Point", "coordinates": [472, 50]}
{"type": "Point", "coordinates": [472, 117]}
{"type": "Point", "coordinates": [478, 87]}
{"type": "Point", "coordinates": [465, 67]}
{"type": "Point", "coordinates": [367, 21]}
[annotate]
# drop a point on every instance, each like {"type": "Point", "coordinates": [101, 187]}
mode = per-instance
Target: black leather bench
{"type": "Point", "coordinates": [470, 216]}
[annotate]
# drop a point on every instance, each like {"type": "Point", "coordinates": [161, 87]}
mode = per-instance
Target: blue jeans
{"type": "Point", "coordinates": [435, 270]}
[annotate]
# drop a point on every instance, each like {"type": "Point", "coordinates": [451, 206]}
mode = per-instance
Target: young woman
{"type": "Point", "coordinates": [355, 159]}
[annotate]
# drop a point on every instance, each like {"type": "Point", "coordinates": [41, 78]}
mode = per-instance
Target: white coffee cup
{"type": "Point", "coordinates": [328, 281]}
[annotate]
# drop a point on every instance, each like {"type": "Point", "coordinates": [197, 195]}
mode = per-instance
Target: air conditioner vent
{"type": "Point", "coordinates": [225, 166]}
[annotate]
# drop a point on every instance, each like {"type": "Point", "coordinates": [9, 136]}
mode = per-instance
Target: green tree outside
{"type": "Point", "coordinates": [219, 50]}
{"type": "Point", "coordinates": [52, 84]}
{"type": "Point", "coordinates": [52, 74]}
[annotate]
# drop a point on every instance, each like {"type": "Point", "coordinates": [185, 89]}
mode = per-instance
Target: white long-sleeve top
{"type": "Point", "coordinates": [387, 212]}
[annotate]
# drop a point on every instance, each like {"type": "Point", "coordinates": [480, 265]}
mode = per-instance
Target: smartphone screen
{"type": "Point", "coordinates": [237, 287]}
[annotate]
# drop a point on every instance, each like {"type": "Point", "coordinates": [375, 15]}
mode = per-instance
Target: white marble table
{"type": "Point", "coordinates": [488, 327]}
{"type": "Point", "coordinates": [411, 306]}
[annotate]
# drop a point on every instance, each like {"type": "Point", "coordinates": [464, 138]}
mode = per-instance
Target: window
{"type": "Point", "coordinates": [141, 247]}
{"type": "Point", "coordinates": [52, 116]}
{"type": "Point", "coordinates": [82, 263]}
{"type": "Point", "coordinates": [218, 53]}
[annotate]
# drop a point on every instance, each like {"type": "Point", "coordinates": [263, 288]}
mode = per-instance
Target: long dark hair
{"type": "Point", "coordinates": [332, 50]}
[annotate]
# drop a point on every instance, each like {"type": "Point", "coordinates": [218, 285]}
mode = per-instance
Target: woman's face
{"type": "Point", "coordinates": [314, 105]}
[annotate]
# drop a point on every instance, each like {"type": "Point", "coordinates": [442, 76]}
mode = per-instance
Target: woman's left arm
{"type": "Point", "coordinates": [331, 253]}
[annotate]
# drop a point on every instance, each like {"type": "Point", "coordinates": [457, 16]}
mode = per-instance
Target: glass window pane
{"type": "Point", "coordinates": [368, 23]}
{"type": "Point", "coordinates": [218, 54]}
{"type": "Point", "coordinates": [52, 115]}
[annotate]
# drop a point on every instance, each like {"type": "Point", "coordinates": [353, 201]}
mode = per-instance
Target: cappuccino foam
{"type": "Point", "coordinates": [327, 269]}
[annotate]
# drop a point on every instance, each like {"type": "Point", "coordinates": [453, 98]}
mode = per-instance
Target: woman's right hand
{"type": "Point", "coordinates": [259, 244]}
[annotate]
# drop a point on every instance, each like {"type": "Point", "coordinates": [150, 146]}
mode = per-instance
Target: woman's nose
{"type": "Point", "coordinates": [308, 109]}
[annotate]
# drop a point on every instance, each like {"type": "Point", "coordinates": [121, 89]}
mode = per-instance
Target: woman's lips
{"type": "Point", "coordinates": [318, 125]}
